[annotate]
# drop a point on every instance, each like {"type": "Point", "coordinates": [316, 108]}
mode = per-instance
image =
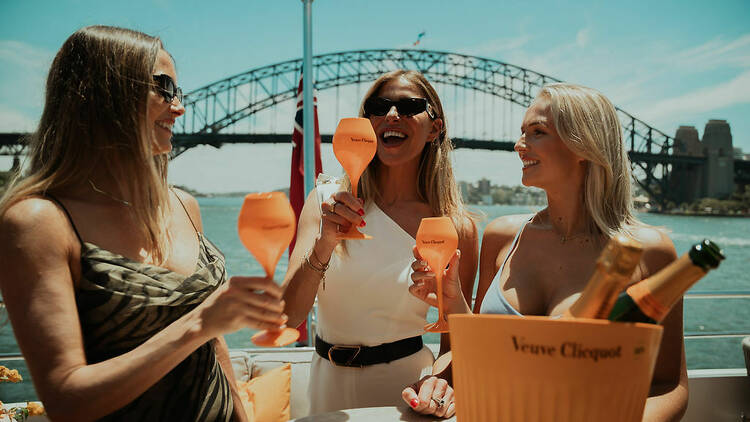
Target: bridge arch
{"type": "Point", "coordinates": [218, 105]}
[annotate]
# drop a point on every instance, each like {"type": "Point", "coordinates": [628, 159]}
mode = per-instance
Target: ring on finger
{"type": "Point", "coordinates": [438, 402]}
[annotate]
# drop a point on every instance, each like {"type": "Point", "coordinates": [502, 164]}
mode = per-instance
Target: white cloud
{"type": "Point", "coordinates": [725, 94]}
{"type": "Point", "coordinates": [491, 48]}
{"type": "Point", "coordinates": [582, 37]}
{"type": "Point", "coordinates": [713, 54]}
{"type": "Point", "coordinates": [13, 121]}
{"type": "Point", "coordinates": [25, 55]}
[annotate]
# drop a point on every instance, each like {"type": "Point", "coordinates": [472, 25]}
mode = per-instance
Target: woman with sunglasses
{"type": "Point", "coordinates": [117, 301]}
{"type": "Point", "coordinates": [369, 329]}
{"type": "Point", "coordinates": [571, 146]}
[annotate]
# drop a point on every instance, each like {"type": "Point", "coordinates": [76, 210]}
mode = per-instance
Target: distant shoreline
{"type": "Point", "coordinates": [697, 214]}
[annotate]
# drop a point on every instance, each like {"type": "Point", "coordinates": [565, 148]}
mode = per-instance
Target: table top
{"type": "Point", "coordinates": [379, 414]}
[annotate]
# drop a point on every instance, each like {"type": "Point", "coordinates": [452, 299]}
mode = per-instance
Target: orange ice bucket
{"type": "Point", "coordinates": [527, 369]}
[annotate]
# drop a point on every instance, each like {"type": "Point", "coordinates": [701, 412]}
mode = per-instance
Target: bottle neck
{"type": "Point", "coordinates": [657, 294]}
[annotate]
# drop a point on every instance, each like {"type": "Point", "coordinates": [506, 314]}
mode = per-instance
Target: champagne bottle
{"type": "Point", "coordinates": [651, 299]}
{"type": "Point", "coordinates": [614, 268]}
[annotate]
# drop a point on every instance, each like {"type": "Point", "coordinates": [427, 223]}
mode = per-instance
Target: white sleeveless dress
{"type": "Point", "coordinates": [366, 301]}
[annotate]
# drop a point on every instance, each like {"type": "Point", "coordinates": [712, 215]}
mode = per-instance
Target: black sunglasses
{"type": "Point", "coordinates": [167, 88]}
{"type": "Point", "coordinates": [379, 106]}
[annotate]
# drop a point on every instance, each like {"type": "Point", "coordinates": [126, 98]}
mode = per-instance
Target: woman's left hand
{"type": "Point", "coordinates": [430, 396]}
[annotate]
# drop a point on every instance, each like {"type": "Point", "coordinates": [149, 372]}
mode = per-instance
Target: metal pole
{"type": "Point", "coordinates": [307, 93]}
{"type": "Point", "coordinates": [308, 122]}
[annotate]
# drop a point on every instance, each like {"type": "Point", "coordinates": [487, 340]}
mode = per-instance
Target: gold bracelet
{"type": "Point", "coordinates": [322, 265]}
{"type": "Point", "coordinates": [321, 271]}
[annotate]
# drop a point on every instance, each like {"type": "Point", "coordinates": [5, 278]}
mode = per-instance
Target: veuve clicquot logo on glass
{"type": "Point", "coordinates": [369, 141]}
{"type": "Point", "coordinates": [433, 242]}
{"type": "Point", "coordinates": [566, 350]}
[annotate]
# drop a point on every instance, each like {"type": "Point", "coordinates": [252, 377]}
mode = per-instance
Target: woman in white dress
{"type": "Point", "coordinates": [362, 285]}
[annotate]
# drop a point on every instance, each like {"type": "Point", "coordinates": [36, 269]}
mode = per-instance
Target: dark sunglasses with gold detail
{"type": "Point", "coordinates": [379, 106]}
{"type": "Point", "coordinates": [167, 88]}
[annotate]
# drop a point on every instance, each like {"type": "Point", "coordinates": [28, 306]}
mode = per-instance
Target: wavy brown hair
{"type": "Point", "coordinates": [95, 114]}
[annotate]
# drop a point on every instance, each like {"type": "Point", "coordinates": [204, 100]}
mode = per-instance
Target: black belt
{"type": "Point", "coordinates": [359, 356]}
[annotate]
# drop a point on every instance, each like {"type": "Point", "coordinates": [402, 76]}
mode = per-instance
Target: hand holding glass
{"type": "Point", "coordinates": [437, 241]}
{"type": "Point", "coordinates": [266, 227]}
{"type": "Point", "coordinates": [354, 145]}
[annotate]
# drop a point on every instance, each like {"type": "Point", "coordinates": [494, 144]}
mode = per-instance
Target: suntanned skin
{"type": "Point", "coordinates": [400, 201]}
{"type": "Point", "coordinates": [545, 275]}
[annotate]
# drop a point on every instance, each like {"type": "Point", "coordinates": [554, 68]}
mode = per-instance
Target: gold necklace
{"type": "Point", "coordinates": [109, 195]}
{"type": "Point", "coordinates": [563, 238]}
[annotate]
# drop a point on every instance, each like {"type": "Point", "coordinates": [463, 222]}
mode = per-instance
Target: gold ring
{"type": "Point", "coordinates": [438, 402]}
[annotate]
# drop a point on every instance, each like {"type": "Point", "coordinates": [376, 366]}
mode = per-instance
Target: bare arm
{"type": "Point", "coordinates": [668, 397]}
{"type": "Point", "coordinates": [301, 281]}
{"type": "Point", "coordinates": [38, 288]}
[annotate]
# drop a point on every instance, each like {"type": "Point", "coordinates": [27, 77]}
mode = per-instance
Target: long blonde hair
{"type": "Point", "coordinates": [95, 114]}
{"type": "Point", "coordinates": [588, 125]}
{"type": "Point", "coordinates": [435, 182]}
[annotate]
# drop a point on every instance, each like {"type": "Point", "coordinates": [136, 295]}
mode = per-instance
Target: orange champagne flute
{"type": "Point", "coordinates": [437, 241]}
{"type": "Point", "coordinates": [266, 227]}
{"type": "Point", "coordinates": [354, 144]}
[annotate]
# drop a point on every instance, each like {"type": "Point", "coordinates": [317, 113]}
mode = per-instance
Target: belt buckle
{"type": "Point", "coordinates": [348, 363]}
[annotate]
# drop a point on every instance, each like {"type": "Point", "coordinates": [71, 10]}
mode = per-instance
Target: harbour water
{"type": "Point", "coordinates": [710, 318]}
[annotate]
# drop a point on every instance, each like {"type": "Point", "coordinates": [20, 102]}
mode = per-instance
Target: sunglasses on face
{"type": "Point", "coordinates": [167, 88]}
{"type": "Point", "coordinates": [378, 106]}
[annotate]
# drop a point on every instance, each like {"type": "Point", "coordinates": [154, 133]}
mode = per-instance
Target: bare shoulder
{"type": "Point", "coordinates": [191, 205]}
{"type": "Point", "coordinates": [505, 227]}
{"type": "Point", "coordinates": [658, 248]}
{"type": "Point", "coordinates": [26, 216]}
{"type": "Point", "coordinates": [35, 225]}
{"type": "Point", "coordinates": [467, 230]}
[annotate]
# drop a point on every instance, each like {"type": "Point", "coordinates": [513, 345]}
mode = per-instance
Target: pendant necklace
{"type": "Point", "coordinates": [109, 195]}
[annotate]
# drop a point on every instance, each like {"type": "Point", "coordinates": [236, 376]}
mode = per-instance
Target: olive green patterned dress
{"type": "Point", "coordinates": [122, 303]}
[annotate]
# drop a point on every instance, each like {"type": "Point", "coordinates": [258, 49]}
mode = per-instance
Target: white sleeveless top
{"type": "Point", "coordinates": [366, 299]}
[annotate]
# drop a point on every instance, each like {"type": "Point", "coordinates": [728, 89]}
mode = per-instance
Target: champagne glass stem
{"type": "Point", "coordinates": [439, 280]}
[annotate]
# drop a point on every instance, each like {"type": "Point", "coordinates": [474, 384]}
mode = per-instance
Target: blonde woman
{"type": "Point", "coordinates": [117, 301]}
{"type": "Point", "coordinates": [362, 286]}
{"type": "Point", "coordinates": [571, 146]}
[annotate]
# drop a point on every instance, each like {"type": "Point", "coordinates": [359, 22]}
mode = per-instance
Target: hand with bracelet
{"type": "Point", "coordinates": [317, 237]}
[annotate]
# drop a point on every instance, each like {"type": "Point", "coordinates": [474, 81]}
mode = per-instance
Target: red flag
{"type": "Point", "coordinates": [297, 181]}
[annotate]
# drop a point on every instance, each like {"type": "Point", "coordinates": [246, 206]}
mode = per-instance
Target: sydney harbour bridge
{"type": "Point", "coordinates": [491, 89]}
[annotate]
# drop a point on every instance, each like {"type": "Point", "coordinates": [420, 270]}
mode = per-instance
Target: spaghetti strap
{"type": "Point", "coordinates": [67, 214]}
{"type": "Point", "coordinates": [186, 211]}
{"type": "Point", "coordinates": [515, 242]}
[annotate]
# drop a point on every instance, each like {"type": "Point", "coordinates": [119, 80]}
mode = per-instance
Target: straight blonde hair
{"type": "Point", "coordinates": [435, 182]}
{"type": "Point", "coordinates": [587, 123]}
{"type": "Point", "coordinates": [95, 114]}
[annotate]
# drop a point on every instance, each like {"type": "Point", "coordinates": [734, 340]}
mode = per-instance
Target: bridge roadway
{"type": "Point", "coordinates": [10, 144]}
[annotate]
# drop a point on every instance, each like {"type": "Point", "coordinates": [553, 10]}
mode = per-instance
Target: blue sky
{"type": "Point", "coordinates": [667, 62]}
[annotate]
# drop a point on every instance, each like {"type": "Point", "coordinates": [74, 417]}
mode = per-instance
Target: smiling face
{"type": "Point", "coordinates": [401, 139]}
{"type": "Point", "coordinates": [546, 159]}
{"type": "Point", "coordinates": [161, 114]}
